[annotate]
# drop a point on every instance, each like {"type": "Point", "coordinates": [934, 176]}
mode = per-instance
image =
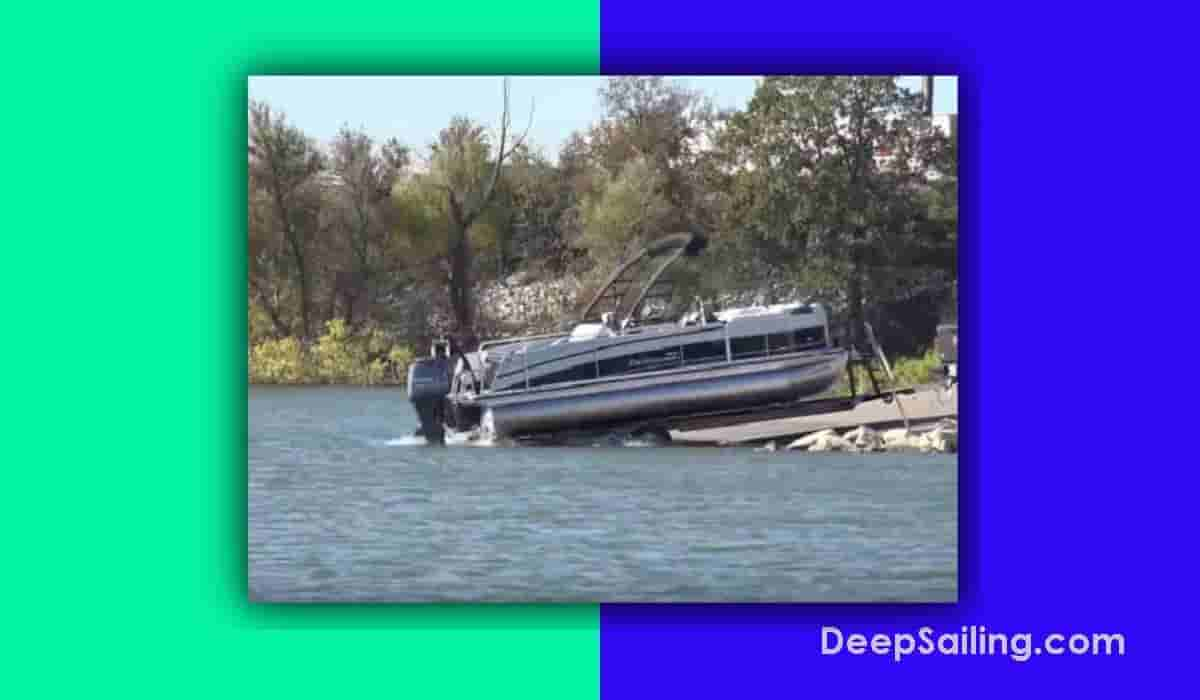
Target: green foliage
{"type": "Point", "coordinates": [338, 357]}
{"type": "Point", "coordinates": [341, 359]}
{"type": "Point", "coordinates": [461, 158]}
{"type": "Point", "coordinates": [909, 372]}
{"type": "Point", "coordinates": [421, 219]}
{"type": "Point", "coordinates": [422, 226]}
{"type": "Point", "coordinates": [535, 214]}
{"type": "Point", "coordinates": [648, 117]}
{"type": "Point", "coordinates": [625, 215]}
{"type": "Point", "coordinates": [829, 176]}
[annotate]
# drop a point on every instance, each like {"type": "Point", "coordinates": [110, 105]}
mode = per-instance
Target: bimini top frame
{"type": "Point", "coordinates": [619, 286]}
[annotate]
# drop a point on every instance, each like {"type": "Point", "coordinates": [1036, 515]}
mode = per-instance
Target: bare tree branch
{"type": "Point", "coordinates": [501, 155]}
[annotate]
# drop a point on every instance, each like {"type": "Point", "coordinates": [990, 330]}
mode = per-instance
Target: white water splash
{"type": "Point", "coordinates": [621, 439]}
{"type": "Point", "coordinates": [453, 439]}
{"type": "Point", "coordinates": [638, 442]}
{"type": "Point", "coordinates": [483, 438]}
{"type": "Point", "coordinates": [470, 438]}
{"type": "Point", "coordinates": [406, 441]}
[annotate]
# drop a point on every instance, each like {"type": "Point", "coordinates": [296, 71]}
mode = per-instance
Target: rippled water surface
{"type": "Point", "coordinates": [344, 506]}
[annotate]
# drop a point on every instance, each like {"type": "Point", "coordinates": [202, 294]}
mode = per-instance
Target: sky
{"type": "Point", "coordinates": [414, 109]}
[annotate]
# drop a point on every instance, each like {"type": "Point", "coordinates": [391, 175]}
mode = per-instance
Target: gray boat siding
{"type": "Point", "coordinates": [666, 376]}
{"type": "Point", "coordinates": [535, 363]}
{"type": "Point", "coordinates": [663, 395]}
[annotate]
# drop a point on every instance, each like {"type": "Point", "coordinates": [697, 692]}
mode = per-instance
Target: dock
{"type": "Point", "coordinates": [924, 407]}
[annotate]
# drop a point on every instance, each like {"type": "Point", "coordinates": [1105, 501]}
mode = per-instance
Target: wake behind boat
{"type": "Point", "coordinates": [619, 367]}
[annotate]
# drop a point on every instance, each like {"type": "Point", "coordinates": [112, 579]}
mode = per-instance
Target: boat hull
{"type": "Point", "coordinates": [657, 396]}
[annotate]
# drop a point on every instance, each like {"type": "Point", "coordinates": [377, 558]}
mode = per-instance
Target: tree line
{"type": "Point", "coordinates": [836, 187]}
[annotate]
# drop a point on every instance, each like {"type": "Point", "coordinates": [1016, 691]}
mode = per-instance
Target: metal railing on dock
{"type": "Point", "coordinates": [887, 367]}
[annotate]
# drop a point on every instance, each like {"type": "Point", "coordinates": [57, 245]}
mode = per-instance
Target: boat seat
{"type": "Point", "coordinates": [589, 331]}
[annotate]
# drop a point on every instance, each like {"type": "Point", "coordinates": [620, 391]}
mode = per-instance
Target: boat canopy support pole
{"type": "Point", "coordinates": [637, 304]}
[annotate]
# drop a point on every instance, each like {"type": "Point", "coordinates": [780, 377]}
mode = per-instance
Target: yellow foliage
{"type": "Point", "coordinates": [338, 357]}
{"type": "Point", "coordinates": [279, 361]}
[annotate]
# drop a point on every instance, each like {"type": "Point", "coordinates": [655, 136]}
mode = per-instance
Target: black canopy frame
{"type": "Point", "coordinates": [624, 280]}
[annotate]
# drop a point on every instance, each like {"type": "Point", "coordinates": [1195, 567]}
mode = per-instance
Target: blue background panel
{"type": "Point", "coordinates": [1076, 467]}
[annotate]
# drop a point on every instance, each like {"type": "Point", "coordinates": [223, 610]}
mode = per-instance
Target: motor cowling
{"type": "Point", "coordinates": [428, 384]}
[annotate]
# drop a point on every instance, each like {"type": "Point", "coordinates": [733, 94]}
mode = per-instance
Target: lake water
{"type": "Point", "coordinates": [344, 507]}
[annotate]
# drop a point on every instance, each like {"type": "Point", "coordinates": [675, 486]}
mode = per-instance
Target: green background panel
{"type": "Point", "coordinates": [124, 276]}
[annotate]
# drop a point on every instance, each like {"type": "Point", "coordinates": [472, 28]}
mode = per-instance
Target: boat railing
{"type": "Point", "coordinates": [522, 339]}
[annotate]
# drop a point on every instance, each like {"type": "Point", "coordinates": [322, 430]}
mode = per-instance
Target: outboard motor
{"type": "Point", "coordinates": [428, 384]}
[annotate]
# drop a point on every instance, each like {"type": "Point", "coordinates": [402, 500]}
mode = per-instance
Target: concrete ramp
{"type": "Point", "coordinates": [923, 407]}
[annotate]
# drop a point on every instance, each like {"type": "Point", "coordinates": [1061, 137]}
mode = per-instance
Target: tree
{"type": "Point", "coordinates": [648, 117]}
{"type": "Point", "coordinates": [634, 173]}
{"type": "Point", "coordinates": [267, 257]}
{"type": "Point", "coordinates": [457, 171]}
{"type": "Point", "coordinates": [537, 199]}
{"type": "Point", "coordinates": [363, 181]}
{"type": "Point", "coordinates": [284, 164]}
{"type": "Point", "coordinates": [829, 174]}
{"type": "Point", "coordinates": [661, 124]}
{"type": "Point", "coordinates": [627, 212]}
